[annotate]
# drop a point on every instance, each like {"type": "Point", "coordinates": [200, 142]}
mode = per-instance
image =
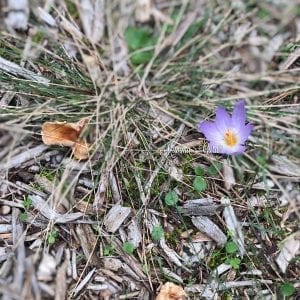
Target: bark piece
{"type": "Point", "coordinates": [208, 227]}
{"type": "Point", "coordinates": [115, 217]}
{"type": "Point", "coordinates": [14, 69]}
{"type": "Point", "coordinates": [61, 281]}
{"type": "Point", "coordinates": [88, 240]}
{"type": "Point", "coordinates": [43, 207]}
{"type": "Point", "coordinates": [284, 166]}
{"type": "Point", "coordinates": [200, 207]}
{"type": "Point", "coordinates": [134, 233]}
{"type": "Point", "coordinates": [23, 157]}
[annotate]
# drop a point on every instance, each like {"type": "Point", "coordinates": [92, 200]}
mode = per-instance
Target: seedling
{"type": "Point", "coordinates": [157, 233]}
{"type": "Point", "coordinates": [128, 247]}
{"type": "Point", "coordinates": [171, 198]}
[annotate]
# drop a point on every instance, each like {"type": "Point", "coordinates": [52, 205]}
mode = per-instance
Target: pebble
{"type": "Point", "coordinates": [34, 169]}
{"type": "Point", "coordinates": [5, 210]}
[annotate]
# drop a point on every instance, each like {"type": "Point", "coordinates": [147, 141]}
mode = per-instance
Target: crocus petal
{"type": "Point", "coordinates": [238, 149]}
{"type": "Point", "coordinates": [239, 114]}
{"type": "Point", "coordinates": [223, 120]}
{"type": "Point", "coordinates": [244, 132]}
{"type": "Point", "coordinates": [210, 131]}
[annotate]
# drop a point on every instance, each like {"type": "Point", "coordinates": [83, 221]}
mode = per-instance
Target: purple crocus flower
{"type": "Point", "coordinates": [227, 134]}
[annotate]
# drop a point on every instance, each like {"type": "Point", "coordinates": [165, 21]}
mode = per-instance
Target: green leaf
{"type": "Point", "coordinates": [287, 289]}
{"type": "Point", "coordinates": [52, 237]}
{"type": "Point", "coordinates": [23, 217]}
{"type": "Point", "coordinates": [231, 247]}
{"type": "Point", "coordinates": [27, 203]}
{"type": "Point", "coordinates": [141, 57]}
{"type": "Point", "coordinates": [108, 250]}
{"type": "Point", "coordinates": [157, 233]}
{"type": "Point", "coordinates": [199, 171]}
{"type": "Point", "coordinates": [214, 169]}
{"type": "Point", "coordinates": [171, 198]}
{"type": "Point", "coordinates": [199, 184]}
{"type": "Point", "coordinates": [128, 247]}
{"type": "Point", "coordinates": [235, 262]}
{"type": "Point", "coordinates": [137, 38]}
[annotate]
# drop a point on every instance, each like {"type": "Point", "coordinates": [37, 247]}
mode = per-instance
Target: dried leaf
{"type": "Point", "coordinates": [67, 134]}
{"type": "Point", "coordinates": [171, 291]}
{"type": "Point", "coordinates": [233, 225]}
{"type": "Point", "coordinates": [228, 174]}
{"type": "Point", "coordinates": [290, 249]}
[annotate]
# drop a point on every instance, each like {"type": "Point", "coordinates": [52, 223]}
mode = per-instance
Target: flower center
{"type": "Point", "coordinates": [230, 138]}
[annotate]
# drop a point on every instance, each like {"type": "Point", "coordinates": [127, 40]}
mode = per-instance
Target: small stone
{"type": "Point", "coordinates": [34, 169]}
{"type": "Point", "coordinates": [5, 210]}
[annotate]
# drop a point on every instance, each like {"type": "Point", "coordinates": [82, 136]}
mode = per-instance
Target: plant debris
{"type": "Point", "coordinates": [67, 134]}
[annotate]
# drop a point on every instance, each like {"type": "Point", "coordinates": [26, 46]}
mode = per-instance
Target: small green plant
{"type": "Point", "coordinates": [231, 251]}
{"type": "Point", "coordinates": [199, 184]}
{"type": "Point", "coordinates": [230, 257]}
{"type": "Point", "coordinates": [214, 169]}
{"type": "Point", "coordinates": [27, 203]}
{"type": "Point", "coordinates": [234, 262]}
{"type": "Point", "coordinates": [138, 39]}
{"type": "Point", "coordinates": [199, 171]}
{"type": "Point", "coordinates": [145, 269]}
{"type": "Point", "coordinates": [171, 198]}
{"type": "Point", "coordinates": [231, 247]}
{"type": "Point", "coordinates": [287, 289]}
{"type": "Point", "coordinates": [52, 236]}
{"type": "Point", "coordinates": [157, 233]}
{"type": "Point", "coordinates": [108, 250]}
{"type": "Point", "coordinates": [128, 247]}
{"type": "Point", "coordinates": [23, 217]}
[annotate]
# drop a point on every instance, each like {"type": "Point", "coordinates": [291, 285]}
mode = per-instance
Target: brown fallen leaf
{"type": "Point", "coordinates": [171, 291]}
{"type": "Point", "coordinates": [67, 134]}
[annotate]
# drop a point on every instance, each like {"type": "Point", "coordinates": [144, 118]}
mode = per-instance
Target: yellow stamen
{"type": "Point", "coordinates": [230, 138]}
